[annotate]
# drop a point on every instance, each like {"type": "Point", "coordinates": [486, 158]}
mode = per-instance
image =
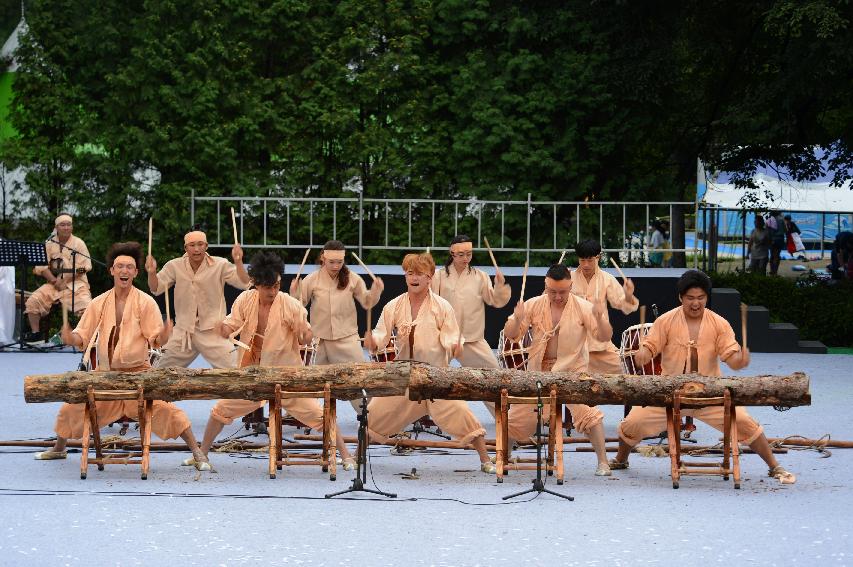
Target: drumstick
{"type": "Point", "coordinates": [523, 280]}
{"type": "Point", "coordinates": [369, 322]}
{"type": "Point", "coordinates": [618, 269]}
{"type": "Point", "coordinates": [360, 263]}
{"type": "Point", "coordinates": [491, 254]}
{"type": "Point", "coordinates": [743, 310]}
{"type": "Point", "coordinates": [563, 255]}
{"type": "Point", "coordinates": [302, 265]}
{"type": "Point", "coordinates": [65, 316]}
{"type": "Point", "coordinates": [642, 325]}
{"type": "Point", "coordinates": [234, 224]}
{"type": "Point", "coordinates": [150, 232]}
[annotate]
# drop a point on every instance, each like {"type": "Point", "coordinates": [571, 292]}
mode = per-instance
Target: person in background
{"type": "Point", "coordinates": [778, 240]}
{"type": "Point", "coordinates": [759, 247]}
{"type": "Point", "coordinates": [795, 242]}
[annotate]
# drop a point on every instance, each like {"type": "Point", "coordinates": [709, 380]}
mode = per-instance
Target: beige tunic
{"type": "Point", "coordinates": [468, 293]}
{"type": "Point", "coordinates": [55, 252]}
{"type": "Point", "coordinates": [577, 323]}
{"type": "Point", "coordinates": [140, 326]}
{"type": "Point", "coordinates": [433, 333]}
{"type": "Point", "coordinates": [199, 297]}
{"type": "Point", "coordinates": [333, 313]}
{"type": "Point", "coordinates": [286, 317]}
{"type": "Point", "coordinates": [601, 289]}
{"type": "Point", "coordinates": [43, 298]}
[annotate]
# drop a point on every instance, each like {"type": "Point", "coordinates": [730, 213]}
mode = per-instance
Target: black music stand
{"type": "Point", "coordinates": [538, 483]}
{"type": "Point", "coordinates": [22, 255]}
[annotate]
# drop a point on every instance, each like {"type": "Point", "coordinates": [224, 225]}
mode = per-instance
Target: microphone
{"type": "Point", "coordinates": [50, 238]}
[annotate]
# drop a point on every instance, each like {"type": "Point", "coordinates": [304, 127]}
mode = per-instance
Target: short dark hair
{"type": "Point", "coordinates": [691, 279]}
{"type": "Point", "coordinates": [588, 248]}
{"type": "Point", "coordinates": [558, 272]}
{"type": "Point", "coordinates": [265, 268]}
{"type": "Point", "coordinates": [132, 249]}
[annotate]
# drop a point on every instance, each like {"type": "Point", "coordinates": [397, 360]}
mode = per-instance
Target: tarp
{"type": "Point", "coordinates": [783, 195]}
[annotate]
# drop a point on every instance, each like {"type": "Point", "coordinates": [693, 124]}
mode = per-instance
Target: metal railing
{"type": "Point", "coordinates": [365, 211]}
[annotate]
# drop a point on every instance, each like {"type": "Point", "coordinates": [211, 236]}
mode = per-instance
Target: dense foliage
{"type": "Point", "coordinates": [122, 107]}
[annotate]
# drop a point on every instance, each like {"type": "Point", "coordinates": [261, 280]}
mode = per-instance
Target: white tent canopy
{"type": "Point", "coordinates": [781, 194]}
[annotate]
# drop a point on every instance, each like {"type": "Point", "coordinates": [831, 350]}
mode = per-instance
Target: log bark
{"type": "Point", "coordinates": [472, 384]}
{"type": "Point", "coordinates": [423, 382]}
{"type": "Point", "coordinates": [250, 383]}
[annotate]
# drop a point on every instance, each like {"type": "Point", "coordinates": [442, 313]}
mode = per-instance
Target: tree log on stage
{"type": "Point", "coordinates": [423, 381]}
{"type": "Point", "coordinates": [472, 384]}
{"type": "Point", "coordinates": [249, 383]}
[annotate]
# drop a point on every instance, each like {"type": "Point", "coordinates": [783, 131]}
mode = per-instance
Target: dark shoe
{"type": "Point", "coordinates": [33, 337]}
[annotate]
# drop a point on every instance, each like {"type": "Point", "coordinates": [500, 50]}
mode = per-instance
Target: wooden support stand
{"type": "Point", "coordinates": [326, 457]}
{"type": "Point", "coordinates": [730, 464]}
{"type": "Point", "coordinates": [90, 426]}
{"type": "Point", "coordinates": [554, 458]}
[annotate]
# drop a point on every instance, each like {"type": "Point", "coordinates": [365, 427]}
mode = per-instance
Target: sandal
{"type": "Point", "coordinates": [50, 455]}
{"type": "Point", "coordinates": [348, 463]}
{"type": "Point", "coordinates": [617, 465]}
{"type": "Point", "coordinates": [488, 467]}
{"type": "Point", "coordinates": [784, 477]}
{"type": "Point", "coordinates": [603, 470]}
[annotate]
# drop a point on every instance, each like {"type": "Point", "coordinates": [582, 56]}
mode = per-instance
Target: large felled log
{"type": "Point", "coordinates": [429, 382]}
{"type": "Point", "coordinates": [250, 383]}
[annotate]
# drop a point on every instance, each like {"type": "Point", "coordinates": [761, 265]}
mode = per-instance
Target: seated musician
{"type": "Point", "coordinates": [562, 326]}
{"type": "Point", "coordinates": [273, 325]}
{"type": "Point", "coordinates": [62, 274]}
{"type": "Point", "coordinates": [597, 286]}
{"type": "Point", "coordinates": [126, 323]}
{"type": "Point", "coordinates": [427, 331]}
{"type": "Point", "coordinates": [693, 339]}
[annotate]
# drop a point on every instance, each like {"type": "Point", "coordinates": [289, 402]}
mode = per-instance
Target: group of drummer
{"type": "Point", "coordinates": [439, 318]}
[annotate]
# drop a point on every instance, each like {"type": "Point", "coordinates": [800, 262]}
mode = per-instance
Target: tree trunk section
{"type": "Point", "coordinates": [604, 389]}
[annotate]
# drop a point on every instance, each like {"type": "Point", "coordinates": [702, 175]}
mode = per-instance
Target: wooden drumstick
{"type": "Point", "coordinates": [491, 254]}
{"type": "Point", "coordinates": [642, 326]}
{"type": "Point", "coordinates": [360, 263]}
{"type": "Point", "coordinates": [743, 310]}
{"type": "Point", "coordinates": [563, 255]}
{"type": "Point", "coordinates": [234, 225]}
{"type": "Point", "coordinates": [302, 265]}
{"type": "Point", "coordinates": [523, 280]}
{"type": "Point", "coordinates": [64, 315]}
{"type": "Point", "coordinates": [150, 232]}
{"type": "Point", "coordinates": [618, 269]}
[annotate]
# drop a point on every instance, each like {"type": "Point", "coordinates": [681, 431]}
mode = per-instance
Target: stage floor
{"type": "Point", "coordinates": [451, 515]}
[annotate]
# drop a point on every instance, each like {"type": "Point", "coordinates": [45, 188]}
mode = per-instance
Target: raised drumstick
{"type": "Point", "coordinates": [360, 263]}
{"type": "Point", "coordinates": [491, 254]}
{"type": "Point", "coordinates": [234, 225]}
{"type": "Point", "coordinates": [168, 311]}
{"type": "Point", "coordinates": [618, 269]}
{"type": "Point", "coordinates": [150, 232]}
{"type": "Point", "coordinates": [642, 326]}
{"type": "Point", "coordinates": [523, 280]}
{"type": "Point", "coordinates": [302, 265]}
{"type": "Point", "coordinates": [743, 310]}
{"type": "Point", "coordinates": [563, 255]}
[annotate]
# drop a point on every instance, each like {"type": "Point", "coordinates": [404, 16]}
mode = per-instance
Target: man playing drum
{"type": "Point", "coordinates": [562, 325]}
{"type": "Point", "coordinates": [692, 338]}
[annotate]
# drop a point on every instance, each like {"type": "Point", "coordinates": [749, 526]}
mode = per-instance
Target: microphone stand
{"type": "Point", "coordinates": [361, 457]}
{"type": "Point", "coordinates": [538, 483]}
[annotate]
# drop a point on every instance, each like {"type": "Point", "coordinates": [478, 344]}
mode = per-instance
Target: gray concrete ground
{"type": "Point", "coordinates": [451, 515]}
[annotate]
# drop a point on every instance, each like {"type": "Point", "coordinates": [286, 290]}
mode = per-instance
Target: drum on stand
{"type": "Point", "coordinates": [630, 344]}
{"type": "Point", "coordinates": [308, 353]}
{"type": "Point", "coordinates": [513, 355]}
{"type": "Point", "coordinates": [388, 354]}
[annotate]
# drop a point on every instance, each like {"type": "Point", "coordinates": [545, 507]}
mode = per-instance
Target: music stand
{"type": "Point", "coordinates": [22, 254]}
{"type": "Point", "coordinates": [538, 483]}
{"type": "Point", "coordinates": [361, 459]}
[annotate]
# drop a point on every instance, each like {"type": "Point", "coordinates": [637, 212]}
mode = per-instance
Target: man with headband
{"type": "Point", "coordinates": [199, 301]}
{"type": "Point", "coordinates": [562, 325]}
{"type": "Point", "coordinates": [63, 274]}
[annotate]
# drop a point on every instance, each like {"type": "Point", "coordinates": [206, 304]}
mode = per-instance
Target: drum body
{"type": "Point", "coordinates": [308, 353]}
{"type": "Point", "coordinates": [630, 343]}
{"type": "Point", "coordinates": [513, 355]}
{"type": "Point", "coordinates": [388, 354]}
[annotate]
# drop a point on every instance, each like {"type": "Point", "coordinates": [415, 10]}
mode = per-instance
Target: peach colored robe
{"type": "Point", "coordinates": [43, 298]}
{"type": "Point", "coordinates": [670, 337]}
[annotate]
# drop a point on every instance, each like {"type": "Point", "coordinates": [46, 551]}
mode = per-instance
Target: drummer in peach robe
{"type": "Point", "coordinates": [562, 325]}
{"type": "Point", "coordinates": [332, 292]}
{"type": "Point", "coordinates": [598, 287]}
{"type": "Point", "coordinates": [198, 278]}
{"type": "Point", "coordinates": [273, 325]}
{"type": "Point", "coordinates": [125, 323]}
{"type": "Point", "coordinates": [426, 332]}
{"type": "Point", "coordinates": [693, 339]}
{"type": "Point", "coordinates": [469, 290]}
